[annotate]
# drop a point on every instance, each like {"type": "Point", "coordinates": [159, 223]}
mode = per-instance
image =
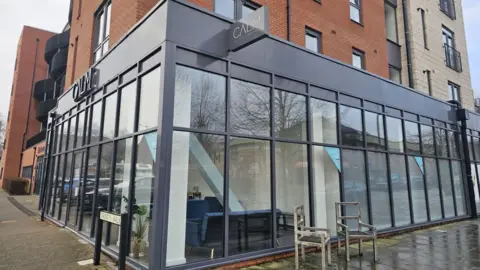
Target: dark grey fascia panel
{"type": "Point", "coordinates": [203, 31]}
{"type": "Point", "coordinates": [394, 54]}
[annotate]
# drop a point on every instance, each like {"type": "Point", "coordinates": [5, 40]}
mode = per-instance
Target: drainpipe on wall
{"type": "Point", "coordinates": [288, 20]}
{"type": "Point", "coordinates": [29, 105]}
{"type": "Point", "coordinates": [407, 44]}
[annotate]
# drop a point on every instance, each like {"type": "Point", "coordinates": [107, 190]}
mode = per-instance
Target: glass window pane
{"type": "Point", "coordinates": [470, 147]}
{"type": "Point", "coordinates": [109, 117]}
{"type": "Point", "coordinates": [395, 74]}
{"type": "Point", "coordinates": [326, 186]}
{"type": "Point", "coordinates": [476, 147]}
{"type": "Point", "coordinates": [58, 137]}
{"type": "Point", "coordinates": [428, 145]}
{"type": "Point", "coordinates": [73, 132]}
{"type": "Point", "coordinates": [458, 186]}
{"type": "Point", "coordinates": [100, 30]}
{"type": "Point", "coordinates": [398, 178]}
{"type": "Point", "coordinates": [311, 42]}
{"type": "Point", "coordinates": [324, 121]}
{"type": "Point", "coordinates": [447, 191]}
{"type": "Point", "coordinates": [108, 19]}
{"type": "Point", "coordinates": [199, 99]}
{"type": "Point", "coordinates": [379, 194]}
{"type": "Point", "coordinates": [250, 109]}
{"type": "Point", "coordinates": [395, 134]}
{"type": "Point", "coordinates": [453, 142]}
{"type": "Point", "coordinates": [225, 8]}
{"type": "Point", "coordinates": [65, 135]}
{"type": "Point", "coordinates": [105, 173]}
{"type": "Point", "coordinates": [98, 55]}
{"type": "Point", "coordinates": [354, 184]}
{"type": "Point", "coordinates": [80, 129]}
{"type": "Point", "coordinates": [96, 118]}
{"type": "Point", "coordinates": [433, 189]}
{"type": "Point", "coordinates": [149, 99]}
{"type": "Point", "coordinates": [250, 182]}
{"type": "Point", "coordinates": [247, 10]}
{"type": "Point", "coordinates": [89, 190]}
{"type": "Point", "coordinates": [351, 126]}
{"type": "Point", "coordinates": [417, 184]}
{"type": "Point", "coordinates": [105, 48]}
{"type": "Point", "coordinates": [357, 59]}
{"type": "Point", "coordinates": [65, 186]}
{"type": "Point", "coordinates": [391, 22]}
{"type": "Point", "coordinates": [291, 168]}
{"type": "Point", "coordinates": [441, 142]}
{"type": "Point", "coordinates": [375, 131]}
{"type": "Point", "coordinates": [290, 115]}
{"type": "Point", "coordinates": [127, 109]}
{"type": "Point", "coordinates": [412, 135]}
{"type": "Point", "coordinates": [354, 13]}
{"type": "Point", "coordinates": [57, 184]}
{"type": "Point", "coordinates": [197, 172]}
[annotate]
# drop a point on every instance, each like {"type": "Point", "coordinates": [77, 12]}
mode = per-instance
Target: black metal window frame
{"type": "Point", "coordinates": [454, 91]}
{"type": "Point", "coordinates": [102, 36]}
{"type": "Point", "coordinates": [453, 59]}
{"type": "Point", "coordinates": [361, 54]}
{"type": "Point", "coordinates": [237, 7]}
{"type": "Point", "coordinates": [314, 34]}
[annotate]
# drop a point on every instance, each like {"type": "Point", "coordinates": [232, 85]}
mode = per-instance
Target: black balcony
{"type": "Point", "coordinates": [448, 7]}
{"type": "Point", "coordinates": [453, 59]}
{"type": "Point", "coordinates": [56, 43]}
{"type": "Point", "coordinates": [44, 107]}
{"type": "Point", "coordinates": [37, 138]}
{"type": "Point", "coordinates": [59, 64]}
{"type": "Point", "coordinates": [44, 89]}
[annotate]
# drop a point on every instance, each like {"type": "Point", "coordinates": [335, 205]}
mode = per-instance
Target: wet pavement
{"type": "Point", "coordinates": [452, 246]}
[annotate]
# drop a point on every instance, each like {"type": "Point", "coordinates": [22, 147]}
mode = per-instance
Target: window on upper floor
{"type": "Point", "coordinates": [395, 74]}
{"type": "Point", "coordinates": [355, 11]}
{"type": "Point", "coordinates": [235, 9]}
{"type": "Point", "coordinates": [102, 31]}
{"type": "Point", "coordinates": [452, 56]}
{"type": "Point", "coordinates": [313, 40]}
{"type": "Point", "coordinates": [453, 91]}
{"type": "Point", "coordinates": [448, 7]}
{"type": "Point", "coordinates": [358, 59]}
{"type": "Point", "coordinates": [391, 22]}
{"type": "Point", "coordinates": [424, 28]}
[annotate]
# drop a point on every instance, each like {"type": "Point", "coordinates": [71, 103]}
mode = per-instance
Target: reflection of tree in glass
{"type": "Point", "coordinates": [441, 140]}
{"type": "Point", "coordinates": [427, 140]}
{"type": "Point", "coordinates": [290, 115]}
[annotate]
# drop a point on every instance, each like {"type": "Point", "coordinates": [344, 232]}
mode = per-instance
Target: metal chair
{"type": "Point", "coordinates": [343, 230]}
{"type": "Point", "coordinates": [309, 236]}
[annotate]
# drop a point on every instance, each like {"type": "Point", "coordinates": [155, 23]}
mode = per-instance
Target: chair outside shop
{"type": "Point", "coordinates": [309, 236]}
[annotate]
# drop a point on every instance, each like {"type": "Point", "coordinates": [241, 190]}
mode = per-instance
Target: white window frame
{"type": "Point", "coordinates": [102, 31]}
{"type": "Point", "coordinates": [356, 4]}
{"type": "Point", "coordinates": [453, 91]}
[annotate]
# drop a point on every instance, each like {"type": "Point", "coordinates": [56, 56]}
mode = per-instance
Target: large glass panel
{"type": "Point", "coordinates": [458, 186]}
{"type": "Point", "coordinates": [291, 168]}
{"type": "Point", "coordinates": [441, 142]}
{"type": "Point", "coordinates": [398, 178]}
{"type": "Point", "coordinates": [199, 99]}
{"type": "Point", "coordinates": [374, 130]}
{"type": "Point", "coordinates": [470, 147]}
{"type": "Point", "coordinates": [324, 121]}
{"type": "Point", "coordinates": [395, 134]}
{"type": "Point", "coordinates": [250, 228]}
{"type": "Point", "coordinates": [476, 147]}
{"type": "Point", "coordinates": [195, 222]}
{"type": "Point", "coordinates": [96, 122]}
{"type": "Point", "coordinates": [80, 129]}
{"type": "Point", "coordinates": [290, 115]}
{"type": "Point", "coordinates": [311, 42]}
{"type": "Point", "coordinates": [65, 187]}
{"type": "Point", "coordinates": [433, 189]}
{"type": "Point", "coordinates": [57, 184]}
{"type": "Point", "coordinates": [225, 8]}
{"type": "Point", "coordinates": [127, 109]}
{"type": "Point", "coordinates": [64, 143]}
{"type": "Point", "coordinates": [250, 109]}
{"type": "Point", "coordinates": [89, 190]}
{"type": "Point", "coordinates": [123, 163]}
{"type": "Point", "coordinates": [454, 142]}
{"type": "Point", "coordinates": [51, 185]}
{"type": "Point", "coordinates": [417, 185]}
{"type": "Point", "coordinates": [58, 138]}
{"type": "Point", "coordinates": [351, 126]}
{"type": "Point", "coordinates": [105, 173]}
{"type": "Point", "coordinates": [76, 187]}
{"type": "Point", "coordinates": [428, 145]}
{"type": "Point", "coordinates": [379, 194]}
{"type": "Point", "coordinates": [326, 186]}
{"type": "Point", "coordinates": [73, 132]}
{"type": "Point", "coordinates": [354, 184]}
{"type": "Point", "coordinates": [109, 117]}
{"type": "Point", "coordinates": [149, 100]}
{"type": "Point", "coordinates": [447, 190]}
{"type": "Point", "coordinates": [476, 191]}
{"type": "Point", "coordinates": [412, 135]}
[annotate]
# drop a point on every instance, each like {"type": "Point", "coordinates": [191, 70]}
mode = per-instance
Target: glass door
{"type": "Point", "coordinates": [75, 188]}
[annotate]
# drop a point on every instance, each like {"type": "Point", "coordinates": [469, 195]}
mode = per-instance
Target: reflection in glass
{"type": "Point", "coordinates": [453, 143]}
{"type": "Point", "coordinates": [412, 135]}
{"type": "Point", "coordinates": [199, 99]}
{"type": "Point", "coordinates": [76, 187]}
{"type": "Point", "coordinates": [149, 99]}
{"type": "Point", "coordinates": [73, 132]}
{"type": "Point", "coordinates": [58, 138]}
{"type": "Point", "coordinates": [417, 185]}
{"type": "Point", "coordinates": [127, 109]}
{"type": "Point", "coordinates": [65, 187]}
{"type": "Point", "coordinates": [225, 8]}
{"type": "Point", "coordinates": [351, 126]}
{"type": "Point", "coordinates": [374, 130]}
{"type": "Point", "coordinates": [80, 129]}
{"type": "Point", "coordinates": [398, 181]}
{"type": "Point", "coordinates": [326, 189]}
{"type": "Point", "coordinates": [379, 195]}
{"type": "Point", "coordinates": [250, 182]}
{"type": "Point", "coordinates": [250, 109]}
{"type": "Point", "coordinates": [88, 200]}
{"type": "Point", "coordinates": [51, 188]}
{"type": "Point", "coordinates": [433, 189]}
{"type": "Point", "coordinates": [458, 186]}
{"type": "Point", "coordinates": [428, 145]}
{"type": "Point", "coordinates": [441, 142]}
{"type": "Point", "coordinates": [476, 147]}
{"type": "Point", "coordinates": [470, 147]}
{"type": "Point", "coordinates": [290, 115]}
{"type": "Point", "coordinates": [105, 172]}
{"type": "Point", "coordinates": [57, 185]}
{"type": "Point", "coordinates": [447, 191]}
{"type": "Point", "coordinates": [291, 168]}
{"type": "Point", "coordinates": [95, 126]}
{"type": "Point", "coordinates": [109, 117]}
{"type": "Point", "coordinates": [195, 223]}
{"type": "Point", "coordinates": [354, 184]}
{"type": "Point", "coordinates": [324, 121]}
{"type": "Point", "coordinates": [395, 134]}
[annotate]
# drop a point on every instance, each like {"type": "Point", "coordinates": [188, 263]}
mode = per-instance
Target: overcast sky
{"type": "Point", "coordinates": [52, 15]}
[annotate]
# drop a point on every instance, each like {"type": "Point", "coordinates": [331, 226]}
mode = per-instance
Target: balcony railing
{"type": "Point", "coordinates": [448, 7]}
{"type": "Point", "coordinates": [453, 59]}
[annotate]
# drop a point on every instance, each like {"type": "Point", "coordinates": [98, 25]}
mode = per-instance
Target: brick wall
{"type": "Point", "coordinates": [21, 95]}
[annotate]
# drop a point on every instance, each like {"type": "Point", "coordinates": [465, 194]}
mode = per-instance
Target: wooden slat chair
{"type": "Point", "coordinates": [309, 236]}
{"type": "Point", "coordinates": [347, 234]}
